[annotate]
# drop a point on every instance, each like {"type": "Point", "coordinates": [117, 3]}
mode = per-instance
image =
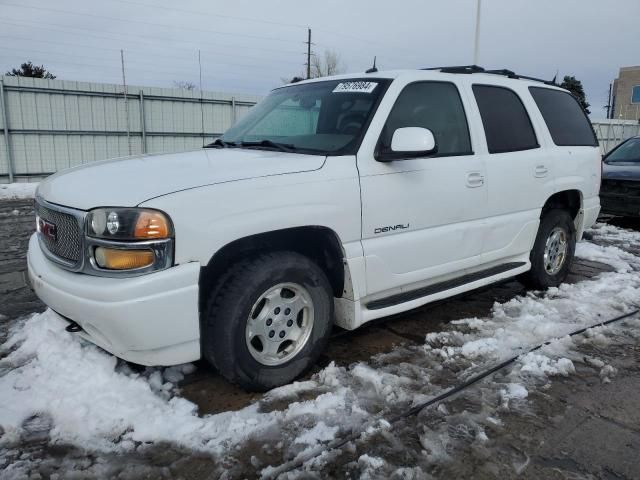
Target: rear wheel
{"type": "Point", "coordinates": [552, 251]}
{"type": "Point", "coordinates": [270, 321]}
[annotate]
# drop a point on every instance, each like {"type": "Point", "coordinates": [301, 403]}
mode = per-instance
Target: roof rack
{"type": "Point", "coordinates": [470, 69]}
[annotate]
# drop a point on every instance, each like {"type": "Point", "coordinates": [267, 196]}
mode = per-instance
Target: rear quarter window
{"type": "Point", "coordinates": [567, 122]}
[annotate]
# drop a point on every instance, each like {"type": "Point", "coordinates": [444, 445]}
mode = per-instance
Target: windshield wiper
{"type": "Point", "coordinates": [283, 147]}
{"type": "Point", "coordinates": [218, 143]}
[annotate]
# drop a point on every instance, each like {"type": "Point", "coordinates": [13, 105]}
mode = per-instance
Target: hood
{"type": "Point", "coordinates": [621, 171]}
{"type": "Point", "coordinates": [129, 181]}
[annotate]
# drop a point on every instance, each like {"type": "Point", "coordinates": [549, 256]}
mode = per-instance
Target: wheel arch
{"type": "Point", "coordinates": [571, 200]}
{"type": "Point", "coordinates": [319, 243]}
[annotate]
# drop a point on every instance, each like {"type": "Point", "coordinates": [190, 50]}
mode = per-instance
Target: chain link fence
{"type": "Point", "coordinates": [611, 133]}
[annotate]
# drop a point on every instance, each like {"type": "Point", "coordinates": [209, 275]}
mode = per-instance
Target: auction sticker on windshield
{"type": "Point", "coordinates": [361, 87]}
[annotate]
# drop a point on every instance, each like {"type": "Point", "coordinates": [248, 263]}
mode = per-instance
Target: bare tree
{"type": "Point", "coordinates": [329, 63]}
{"type": "Point", "coordinates": [184, 85]}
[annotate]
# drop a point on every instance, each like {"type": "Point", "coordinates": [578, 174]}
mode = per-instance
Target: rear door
{"type": "Point", "coordinates": [520, 174]}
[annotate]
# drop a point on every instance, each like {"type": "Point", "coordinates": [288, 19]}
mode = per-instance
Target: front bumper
{"type": "Point", "coordinates": [620, 204]}
{"type": "Point", "coordinates": [151, 319]}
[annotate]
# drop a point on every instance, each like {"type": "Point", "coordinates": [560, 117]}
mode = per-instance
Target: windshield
{"type": "Point", "coordinates": [322, 118]}
{"type": "Point", "coordinates": [628, 152]}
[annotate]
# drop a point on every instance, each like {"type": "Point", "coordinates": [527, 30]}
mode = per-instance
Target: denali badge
{"type": "Point", "coordinates": [390, 228]}
{"type": "Point", "coordinates": [47, 229]}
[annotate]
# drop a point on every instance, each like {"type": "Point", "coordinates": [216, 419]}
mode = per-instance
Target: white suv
{"type": "Point", "coordinates": [334, 201]}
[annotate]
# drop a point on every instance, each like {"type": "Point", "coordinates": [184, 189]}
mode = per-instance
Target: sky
{"type": "Point", "coordinates": [251, 46]}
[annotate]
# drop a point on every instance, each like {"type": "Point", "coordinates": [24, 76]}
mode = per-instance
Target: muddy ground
{"type": "Point", "coordinates": [580, 427]}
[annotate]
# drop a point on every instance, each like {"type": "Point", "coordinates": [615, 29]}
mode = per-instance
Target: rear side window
{"type": "Point", "coordinates": [565, 118]}
{"type": "Point", "coordinates": [433, 105]}
{"type": "Point", "coordinates": [506, 122]}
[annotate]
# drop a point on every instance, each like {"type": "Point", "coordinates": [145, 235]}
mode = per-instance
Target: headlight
{"type": "Point", "coordinates": [128, 241]}
{"type": "Point", "coordinates": [128, 224]}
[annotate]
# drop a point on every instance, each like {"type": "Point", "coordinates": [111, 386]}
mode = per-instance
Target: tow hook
{"type": "Point", "coordinates": [73, 327]}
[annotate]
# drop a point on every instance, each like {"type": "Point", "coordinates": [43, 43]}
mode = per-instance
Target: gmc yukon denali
{"type": "Point", "coordinates": [334, 201]}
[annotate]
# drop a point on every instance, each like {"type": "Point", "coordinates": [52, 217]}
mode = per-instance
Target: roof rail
{"type": "Point", "coordinates": [469, 69]}
{"type": "Point", "coordinates": [459, 69]}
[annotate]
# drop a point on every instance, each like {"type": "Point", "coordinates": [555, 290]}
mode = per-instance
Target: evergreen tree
{"type": "Point", "coordinates": [574, 85]}
{"type": "Point", "coordinates": [28, 69]}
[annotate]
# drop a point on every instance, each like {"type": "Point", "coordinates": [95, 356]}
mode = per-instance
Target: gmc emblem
{"type": "Point", "coordinates": [47, 229]}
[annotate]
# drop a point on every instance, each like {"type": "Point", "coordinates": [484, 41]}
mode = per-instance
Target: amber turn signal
{"type": "Point", "coordinates": [151, 225]}
{"type": "Point", "coordinates": [116, 259]}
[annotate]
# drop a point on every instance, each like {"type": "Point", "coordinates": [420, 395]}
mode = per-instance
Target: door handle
{"type": "Point", "coordinates": [541, 171]}
{"type": "Point", "coordinates": [475, 179]}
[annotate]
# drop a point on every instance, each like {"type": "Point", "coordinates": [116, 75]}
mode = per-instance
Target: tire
{"type": "Point", "coordinates": [239, 320]}
{"type": "Point", "coordinates": [545, 272]}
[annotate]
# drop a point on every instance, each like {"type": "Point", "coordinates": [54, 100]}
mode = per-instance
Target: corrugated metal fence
{"type": "Point", "coordinates": [55, 124]}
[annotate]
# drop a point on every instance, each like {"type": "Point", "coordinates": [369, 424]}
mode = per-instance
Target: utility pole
{"type": "Point", "coordinates": [476, 49]}
{"type": "Point", "coordinates": [608, 106]}
{"type": "Point", "coordinates": [126, 101]}
{"type": "Point", "coordinates": [308, 53]}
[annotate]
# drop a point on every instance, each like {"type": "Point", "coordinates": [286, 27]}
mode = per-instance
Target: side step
{"type": "Point", "coordinates": [441, 287]}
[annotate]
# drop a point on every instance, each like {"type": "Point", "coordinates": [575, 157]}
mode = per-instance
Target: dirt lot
{"type": "Point", "coordinates": [579, 426]}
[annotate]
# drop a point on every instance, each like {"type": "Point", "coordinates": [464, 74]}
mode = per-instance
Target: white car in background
{"type": "Point", "coordinates": [334, 201]}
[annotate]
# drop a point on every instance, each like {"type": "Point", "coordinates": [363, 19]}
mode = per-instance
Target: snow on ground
{"type": "Point", "coordinates": [9, 191]}
{"type": "Point", "coordinates": [99, 404]}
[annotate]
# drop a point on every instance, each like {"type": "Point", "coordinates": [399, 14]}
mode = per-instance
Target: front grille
{"type": "Point", "coordinates": [68, 242]}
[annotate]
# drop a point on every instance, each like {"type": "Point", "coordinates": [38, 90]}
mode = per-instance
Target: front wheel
{"type": "Point", "coordinates": [270, 321]}
{"type": "Point", "coordinates": [552, 251]}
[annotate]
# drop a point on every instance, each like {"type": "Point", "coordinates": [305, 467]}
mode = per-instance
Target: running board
{"type": "Point", "coordinates": [442, 286]}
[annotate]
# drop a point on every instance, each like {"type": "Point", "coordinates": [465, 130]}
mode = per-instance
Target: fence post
{"type": "Point", "coordinates": [5, 121]}
{"type": "Point", "coordinates": [143, 127]}
{"type": "Point", "coordinates": [233, 111]}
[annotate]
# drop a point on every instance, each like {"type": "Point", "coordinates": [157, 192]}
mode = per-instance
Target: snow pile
{"type": "Point", "coordinates": [98, 404]}
{"type": "Point", "coordinates": [11, 191]}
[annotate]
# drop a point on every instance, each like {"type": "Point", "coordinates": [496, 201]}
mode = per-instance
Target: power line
{"type": "Point", "coordinates": [383, 45]}
{"type": "Point", "coordinates": [142, 22]}
{"type": "Point", "coordinates": [145, 38]}
{"type": "Point", "coordinates": [152, 64]}
{"type": "Point", "coordinates": [209, 14]}
{"type": "Point", "coordinates": [104, 68]}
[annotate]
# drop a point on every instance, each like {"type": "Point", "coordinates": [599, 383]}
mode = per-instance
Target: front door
{"type": "Point", "coordinates": [422, 218]}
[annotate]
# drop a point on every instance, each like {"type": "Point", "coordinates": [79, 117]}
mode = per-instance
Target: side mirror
{"type": "Point", "coordinates": [410, 142]}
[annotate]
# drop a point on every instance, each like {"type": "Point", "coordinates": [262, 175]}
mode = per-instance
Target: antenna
{"type": "Point", "coordinates": [126, 103]}
{"type": "Point", "coordinates": [201, 103]}
{"type": "Point", "coordinates": [372, 69]}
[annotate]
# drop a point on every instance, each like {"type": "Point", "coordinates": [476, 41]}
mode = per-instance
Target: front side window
{"type": "Point", "coordinates": [627, 152]}
{"type": "Point", "coordinates": [565, 118]}
{"type": "Point", "coordinates": [506, 122]}
{"type": "Point", "coordinates": [433, 105]}
{"type": "Point", "coordinates": [321, 118]}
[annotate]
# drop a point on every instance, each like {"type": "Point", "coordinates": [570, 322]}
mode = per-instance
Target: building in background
{"type": "Point", "coordinates": [626, 94]}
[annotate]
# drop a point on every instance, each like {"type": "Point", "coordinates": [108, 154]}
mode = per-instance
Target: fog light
{"type": "Point", "coordinates": [116, 259]}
